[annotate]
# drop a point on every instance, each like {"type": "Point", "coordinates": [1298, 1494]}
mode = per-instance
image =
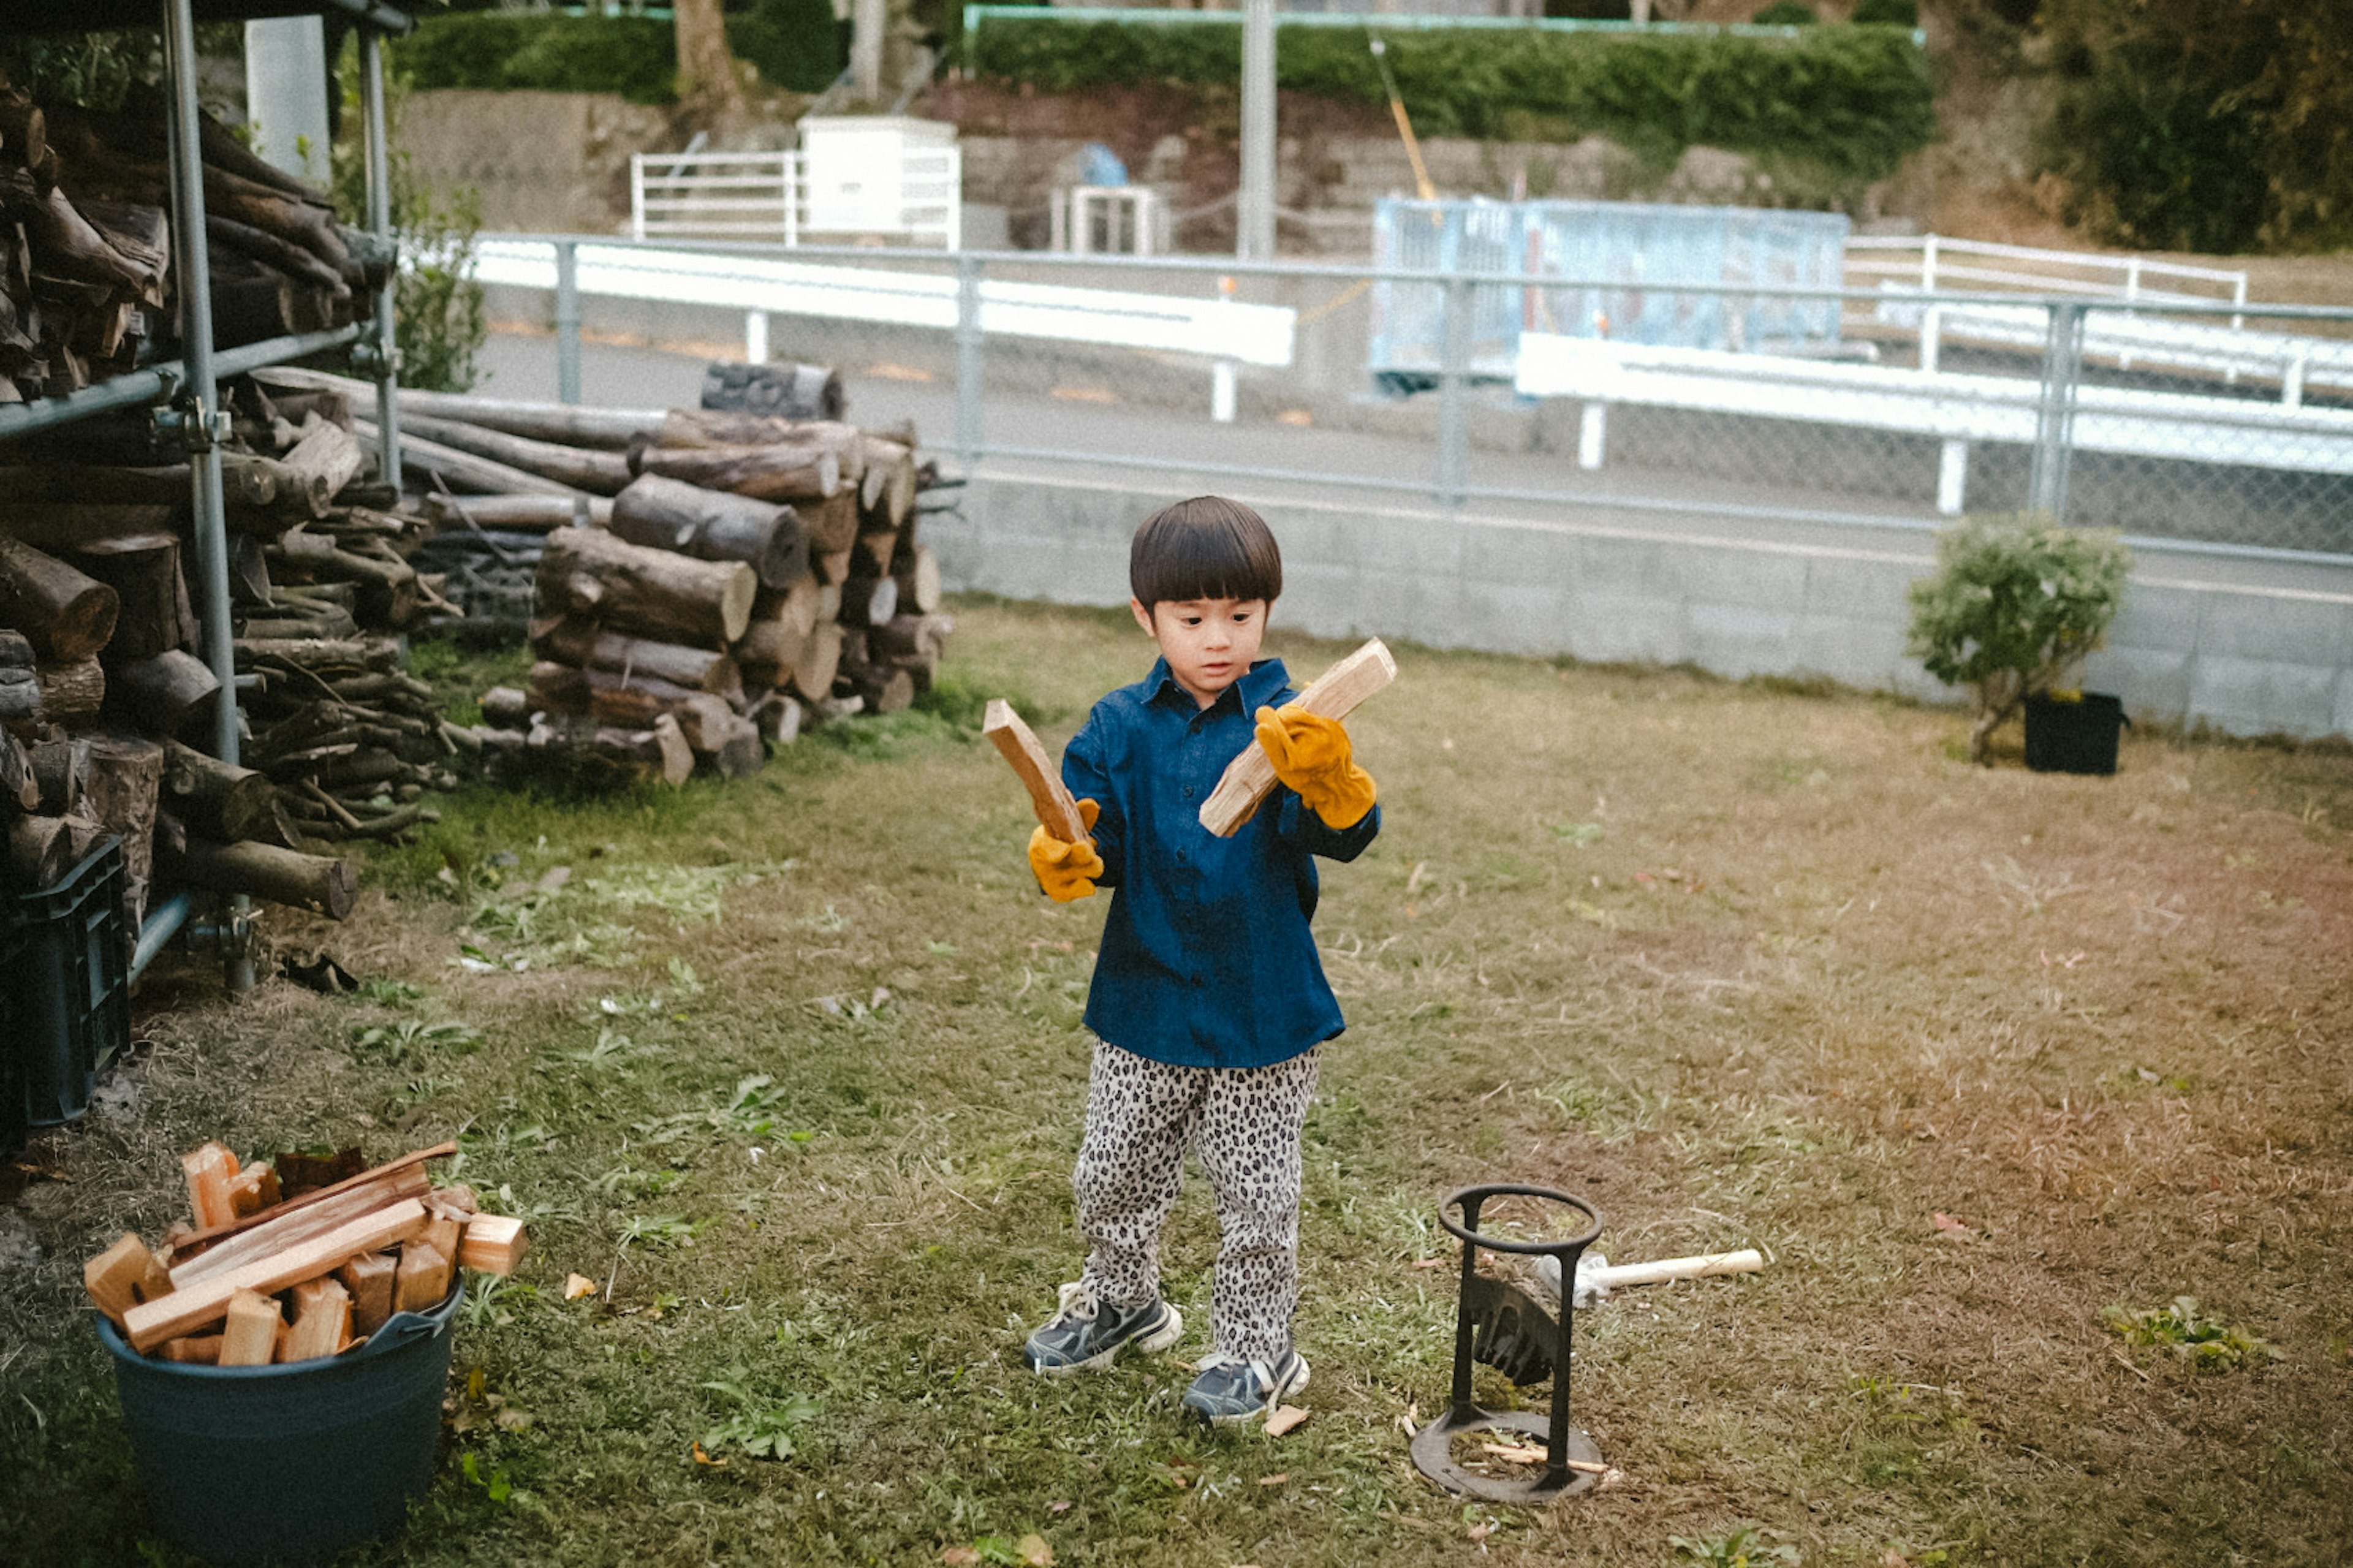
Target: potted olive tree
{"type": "Point", "coordinates": [2016, 603]}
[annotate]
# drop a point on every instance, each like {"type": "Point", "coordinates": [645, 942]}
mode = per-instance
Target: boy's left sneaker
{"type": "Point", "coordinates": [1230, 1390]}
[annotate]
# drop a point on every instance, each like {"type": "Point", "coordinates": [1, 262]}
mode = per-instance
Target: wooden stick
{"type": "Point", "coordinates": [1248, 779]}
{"type": "Point", "coordinates": [1049, 797]}
{"type": "Point", "coordinates": [200, 1239]}
{"type": "Point", "coordinates": [190, 1308]}
{"type": "Point", "coordinates": [290, 1230]}
{"type": "Point", "coordinates": [1748, 1261]}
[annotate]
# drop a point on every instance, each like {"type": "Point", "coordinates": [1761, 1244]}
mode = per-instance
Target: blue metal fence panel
{"type": "Point", "coordinates": [1626, 244]}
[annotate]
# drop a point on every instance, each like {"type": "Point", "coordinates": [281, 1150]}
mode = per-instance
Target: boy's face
{"type": "Point", "coordinates": [1208, 643]}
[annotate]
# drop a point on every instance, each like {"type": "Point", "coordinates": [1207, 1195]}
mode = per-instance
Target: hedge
{"type": "Point", "coordinates": [636, 57]}
{"type": "Point", "coordinates": [1853, 99]}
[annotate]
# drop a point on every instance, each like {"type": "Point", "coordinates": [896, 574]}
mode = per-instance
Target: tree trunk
{"type": "Point", "coordinates": [582, 645]}
{"type": "Point", "coordinates": [320, 883]}
{"type": "Point", "coordinates": [601, 473]}
{"type": "Point", "coordinates": [167, 695]}
{"type": "Point", "coordinates": [646, 592]}
{"type": "Point", "coordinates": [706, 67]}
{"type": "Point", "coordinates": [565, 424]}
{"type": "Point", "coordinates": [665, 514]}
{"type": "Point", "coordinates": [152, 591]}
{"type": "Point", "coordinates": [764, 473]}
{"type": "Point", "coordinates": [66, 613]}
{"type": "Point", "coordinates": [121, 775]}
{"type": "Point", "coordinates": [73, 690]}
{"type": "Point", "coordinates": [214, 799]}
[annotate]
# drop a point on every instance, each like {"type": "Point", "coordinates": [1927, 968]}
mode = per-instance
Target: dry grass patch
{"type": "Point", "coordinates": [795, 1066]}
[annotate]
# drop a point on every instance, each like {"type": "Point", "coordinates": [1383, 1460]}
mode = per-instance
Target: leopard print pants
{"type": "Point", "coordinates": [1244, 1123]}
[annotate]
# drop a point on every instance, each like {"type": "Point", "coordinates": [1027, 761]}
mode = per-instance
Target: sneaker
{"type": "Point", "coordinates": [1230, 1390]}
{"type": "Point", "coordinates": [1087, 1335]}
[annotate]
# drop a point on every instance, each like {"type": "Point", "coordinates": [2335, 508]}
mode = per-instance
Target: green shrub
{"type": "Point", "coordinates": [1886, 13]}
{"type": "Point", "coordinates": [1786, 13]}
{"type": "Point", "coordinates": [636, 57]}
{"type": "Point", "coordinates": [796, 44]}
{"type": "Point", "coordinates": [2016, 603]}
{"type": "Point", "coordinates": [1851, 100]}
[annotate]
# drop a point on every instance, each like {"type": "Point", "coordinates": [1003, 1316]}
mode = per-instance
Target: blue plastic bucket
{"type": "Point", "coordinates": [289, 1464]}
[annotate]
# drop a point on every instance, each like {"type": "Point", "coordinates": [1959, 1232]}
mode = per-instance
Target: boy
{"type": "Point", "coordinates": [1208, 1003]}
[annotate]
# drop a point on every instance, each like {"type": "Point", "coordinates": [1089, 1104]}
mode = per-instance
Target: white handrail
{"type": "Point", "coordinates": [1934, 267]}
{"type": "Point", "coordinates": [772, 195]}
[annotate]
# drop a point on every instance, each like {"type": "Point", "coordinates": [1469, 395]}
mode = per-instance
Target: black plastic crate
{"type": "Point", "coordinates": [71, 981]}
{"type": "Point", "coordinates": [13, 1125]}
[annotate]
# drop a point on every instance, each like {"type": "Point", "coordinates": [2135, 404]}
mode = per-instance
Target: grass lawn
{"type": "Point", "coordinates": [791, 1070]}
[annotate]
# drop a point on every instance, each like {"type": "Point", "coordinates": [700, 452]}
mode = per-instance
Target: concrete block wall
{"type": "Point", "coordinates": [2245, 659]}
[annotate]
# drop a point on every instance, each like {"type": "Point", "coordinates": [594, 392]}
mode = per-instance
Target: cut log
{"type": "Point", "coordinates": [764, 473]}
{"type": "Point", "coordinates": [505, 708]}
{"type": "Point", "coordinates": [1248, 779]}
{"type": "Point", "coordinates": [833, 566]}
{"type": "Point", "coordinates": [630, 701]}
{"type": "Point", "coordinates": [875, 549]}
{"type": "Point", "coordinates": [369, 1279]}
{"type": "Point", "coordinates": [709, 724]}
{"type": "Point", "coordinates": [603, 473]}
{"type": "Point", "coordinates": [492, 1244]}
{"type": "Point", "coordinates": [1049, 798]}
{"type": "Point", "coordinates": [905, 636]}
{"type": "Point", "coordinates": [787, 391]}
{"type": "Point", "coordinates": [422, 1279]}
{"type": "Point", "coordinates": [278, 253]}
{"type": "Point", "coordinates": [770, 651]}
{"type": "Point", "coordinates": [191, 1307]}
{"type": "Point", "coordinates": [887, 689]}
{"type": "Point", "coordinates": [888, 488]}
{"type": "Point", "coordinates": [192, 1350]}
{"type": "Point", "coordinates": [72, 690]}
{"type": "Point", "coordinates": [779, 716]}
{"type": "Point", "coordinates": [68, 614]}
{"type": "Point", "coordinates": [19, 791]}
{"type": "Point", "coordinates": [174, 693]}
{"type": "Point", "coordinates": [121, 777]}
{"type": "Point", "coordinates": [322, 462]}
{"type": "Point", "coordinates": [322, 1320]}
{"type": "Point", "coordinates": [209, 1171]}
{"type": "Point", "coordinates": [122, 1276]}
{"type": "Point", "coordinates": [20, 696]}
{"type": "Point", "coordinates": [580, 644]}
{"type": "Point", "coordinates": [320, 883]}
{"type": "Point", "coordinates": [57, 775]}
{"type": "Point", "coordinates": [463, 470]}
{"type": "Point", "coordinates": [647, 593]}
{"type": "Point", "coordinates": [869, 601]}
{"type": "Point", "coordinates": [252, 302]}
{"type": "Point", "coordinates": [831, 525]}
{"type": "Point", "coordinates": [521, 514]}
{"type": "Point", "coordinates": [40, 850]}
{"type": "Point", "coordinates": [797, 606]}
{"type": "Point", "coordinates": [666, 514]}
{"type": "Point", "coordinates": [300, 1218]}
{"type": "Point", "coordinates": [154, 610]}
{"type": "Point", "coordinates": [820, 661]}
{"type": "Point", "coordinates": [917, 573]}
{"type": "Point", "coordinates": [59, 524]}
{"type": "Point", "coordinates": [217, 800]}
{"type": "Point", "coordinates": [569, 424]}
{"type": "Point", "coordinates": [250, 1338]}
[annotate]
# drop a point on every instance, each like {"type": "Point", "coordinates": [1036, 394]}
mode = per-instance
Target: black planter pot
{"type": "Point", "coordinates": [2073, 737]}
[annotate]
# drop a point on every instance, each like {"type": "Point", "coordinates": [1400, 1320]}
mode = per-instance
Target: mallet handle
{"type": "Point", "coordinates": [1748, 1261]}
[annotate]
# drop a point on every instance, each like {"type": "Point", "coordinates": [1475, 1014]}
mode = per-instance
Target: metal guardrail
{"type": "Point", "coordinates": [2171, 453]}
{"type": "Point", "coordinates": [1933, 262]}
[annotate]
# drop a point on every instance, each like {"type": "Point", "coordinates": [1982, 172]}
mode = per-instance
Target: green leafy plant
{"type": "Point", "coordinates": [1743, 1547]}
{"type": "Point", "coordinates": [2211, 1344]}
{"type": "Point", "coordinates": [636, 57]}
{"type": "Point", "coordinates": [1886, 13]}
{"type": "Point", "coordinates": [763, 1430]}
{"type": "Point", "coordinates": [2016, 603]}
{"type": "Point", "coordinates": [1786, 13]}
{"type": "Point", "coordinates": [794, 44]}
{"type": "Point", "coordinates": [413, 1038]}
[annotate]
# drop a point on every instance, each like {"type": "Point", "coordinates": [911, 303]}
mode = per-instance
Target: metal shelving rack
{"type": "Point", "coordinates": [186, 392]}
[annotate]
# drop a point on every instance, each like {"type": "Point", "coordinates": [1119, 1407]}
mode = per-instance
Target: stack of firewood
{"type": "Point", "coordinates": [296, 1261]}
{"type": "Point", "coordinates": [86, 282]}
{"type": "Point", "coordinates": [704, 581]}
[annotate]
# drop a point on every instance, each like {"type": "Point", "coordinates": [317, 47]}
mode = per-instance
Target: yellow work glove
{"type": "Point", "coordinates": [1311, 753]}
{"type": "Point", "coordinates": [1066, 870]}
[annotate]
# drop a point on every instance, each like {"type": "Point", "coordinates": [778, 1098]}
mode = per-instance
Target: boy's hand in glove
{"type": "Point", "coordinates": [1067, 871]}
{"type": "Point", "coordinates": [1311, 755]}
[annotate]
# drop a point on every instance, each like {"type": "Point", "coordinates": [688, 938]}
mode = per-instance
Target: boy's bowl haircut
{"type": "Point", "coordinates": [1204, 548]}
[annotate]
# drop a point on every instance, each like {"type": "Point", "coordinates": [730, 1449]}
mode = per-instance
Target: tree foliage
{"type": "Point", "coordinates": [2016, 603]}
{"type": "Point", "coordinates": [2208, 125]}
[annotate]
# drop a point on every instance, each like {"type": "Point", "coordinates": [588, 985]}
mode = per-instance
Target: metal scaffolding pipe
{"type": "Point", "coordinates": [375, 133]}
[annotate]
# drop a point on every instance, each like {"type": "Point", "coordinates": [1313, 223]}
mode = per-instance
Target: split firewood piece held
{"type": "Point", "coordinates": [191, 1307]}
{"type": "Point", "coordinates": [1248, 779]}
{"type": "Point", "coordinates": [170, 694]}
{"type": "Point", "coordinates": [323, 884]}
{"type": "Point", "coordinates": [601, 473]}
{"type": "Point", "coordinates": [67, 613]}
{"type": "Point", "coordinates": [250, 1336]}
{"type": "Point", "coordinates": [322, 1320]}
{"type": "Point", "coordinates": [122, 1276]}
{"type": "Point", "coordinates": [493, 1244]}
{"type": "Point", "coordinates": [324, 1208]}
{"type": "Point", "coordinates": [579, 643]}
{"type": "Point", "coordinates": [646, 592]}
{"type": "Point", "coordinates": [1049, 798]}
{"type": "Point", "coordinates": [709, 524]}
{"type": "Point", "coordinates": [154, 612]}
{"type": "Point", "coordinates": [369, 1279]}
{"type": "Point", "coordinates": [785, 473]}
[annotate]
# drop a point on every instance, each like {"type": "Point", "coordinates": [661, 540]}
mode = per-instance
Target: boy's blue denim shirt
{"type": "Point", "coordinates": [1207, 957]}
